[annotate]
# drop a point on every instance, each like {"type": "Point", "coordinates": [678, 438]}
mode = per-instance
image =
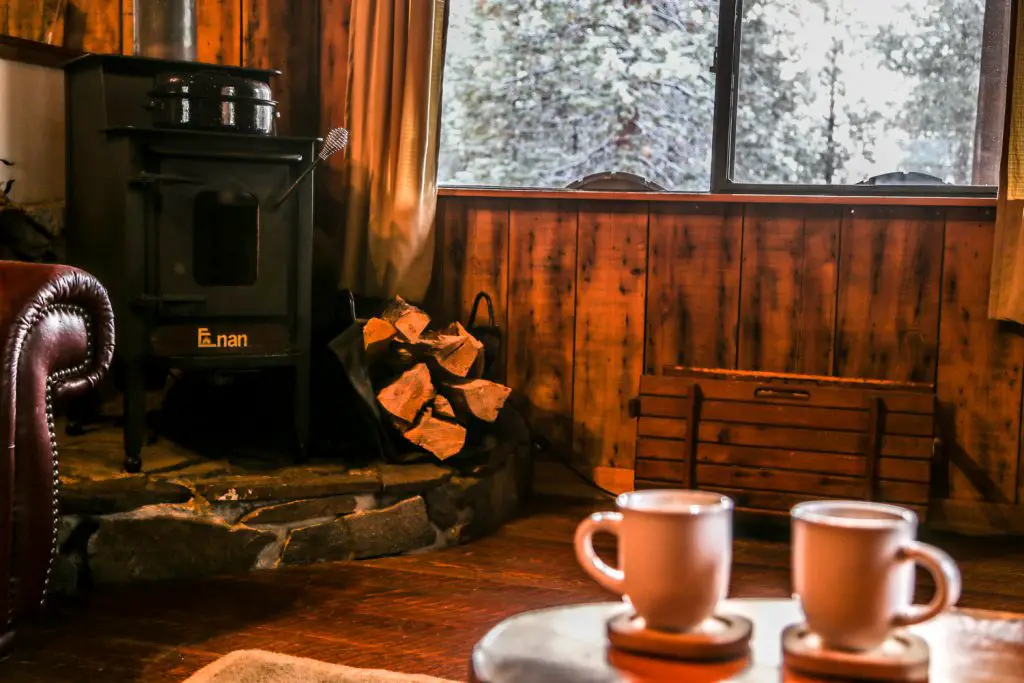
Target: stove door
{"type": "Point", "coordinates": [219, 240]}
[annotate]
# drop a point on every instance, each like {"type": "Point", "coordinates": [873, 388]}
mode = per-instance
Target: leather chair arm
{"type": "Point", "coordinates": [57, 329]}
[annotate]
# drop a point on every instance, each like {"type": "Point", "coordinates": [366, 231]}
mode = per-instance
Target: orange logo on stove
{"type": "Point", "coordinates": [222, 341]}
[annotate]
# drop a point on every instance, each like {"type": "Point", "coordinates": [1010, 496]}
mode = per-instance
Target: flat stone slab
{"type": "Point", "coordinates": [187, 516]}
{"type": "Point", "coordinates": [413, 478]}
{"type": "Point", "coordinates": [291, 484]}
{"type": "Point", "coordinates": [396, 529]}
{"type": "Point", "coordinates": [298, 510]}
{"type": "Point", "coordinates": [106, 496]}
{"type": "Point", "coordinates": [165, 542]}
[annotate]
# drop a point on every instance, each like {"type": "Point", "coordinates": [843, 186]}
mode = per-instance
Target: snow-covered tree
{"type": "Point", "coordinates": [553, 90]}
{"type": "Point", "coordinates": [543, 92]}
{"type": "Point", "coordinates": [937, 46]}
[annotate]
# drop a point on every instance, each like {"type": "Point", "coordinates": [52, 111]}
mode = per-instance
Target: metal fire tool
{"type": "Point", "coordinates": [335, 141]}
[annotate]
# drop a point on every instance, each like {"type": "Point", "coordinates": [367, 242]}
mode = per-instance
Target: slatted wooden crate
{"type": "Point", "coordinates": [770, 441]}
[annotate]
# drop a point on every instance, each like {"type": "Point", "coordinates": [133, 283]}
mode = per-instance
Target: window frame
{"type": "Point", "coordinates": [725, 67]}
{"type": "Point", "coordinates": [723, 157]}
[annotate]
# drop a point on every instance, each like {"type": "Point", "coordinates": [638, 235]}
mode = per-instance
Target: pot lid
{"type": "Point", "coordinates": [209, 84]}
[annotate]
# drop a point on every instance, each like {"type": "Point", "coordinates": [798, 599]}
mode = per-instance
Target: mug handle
{"type": "Point", "coordinates": [947, 582]}
{"type": "Point", "coordinates": [609, 577]}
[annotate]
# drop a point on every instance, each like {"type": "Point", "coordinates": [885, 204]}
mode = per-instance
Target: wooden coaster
{"type": "Point", "coordinates": [721, 637]}
{"type": "Point", "coordinates": [903, 657]}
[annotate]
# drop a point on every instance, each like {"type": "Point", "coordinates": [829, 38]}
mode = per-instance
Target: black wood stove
{"type": "Point", "coordinates": [180, 226]}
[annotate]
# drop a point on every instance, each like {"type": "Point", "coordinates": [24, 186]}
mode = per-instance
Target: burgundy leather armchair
{"type": "Point", "coordinates": [57, 330]}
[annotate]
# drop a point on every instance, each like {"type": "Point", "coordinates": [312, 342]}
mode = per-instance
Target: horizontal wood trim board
{"type": "Point", "coordinates": [977, 517]}
{"type": "Point", "coordinates": [768, 394]}
{"type": "Point", "coordinates": [809, 484]}
{"type": "Point", "coordinates": [846, 419]}
{"type": "Point", "coordinates": [790, 438]}
{"type": "Point", "coordinates": [675, 471]}
{"type": "Point", "coordinates": [895, 469]}
{"type": "Point", "coordinates": [705, 373]}
{"type": "Point", "coordinates": [690, 198]}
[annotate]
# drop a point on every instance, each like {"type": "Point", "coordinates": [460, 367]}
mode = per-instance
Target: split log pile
{"type": "Point", "coordinates": [428, 382]}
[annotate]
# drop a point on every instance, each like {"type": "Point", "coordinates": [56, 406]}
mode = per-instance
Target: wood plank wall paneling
{"type": "Point", "coordinates": [27, 19]}
{"type": "Point", "coordinates": [285, 36]}
{"type": "Point", "coordinates": [979, 377]}
{"type": "Point", "coordinates": [694, 285]}
{"type": "Point", "coordinates": [542, 316]}
{"type": "Point", "coordinates": [894, 293]}
{"type": "Point", "coordinates": [889, 269]}
{"type": "Point", "coordinates": [473, 238]}
{"type": "Point", "coordinates": [332, 68]}
{"type": "Point", "coordinates": [787, 307]}
{"type": "Point", "coordinates": [219, 31]}
{"type": "Point", "coordinates": [127, 27]}
{"type": "Point", "coordinates": [93, 25]}
{"type": "Point", "coordinates": [611, 277]}
{"type": "Point", "coordinates": [332, 75]}
{"type": "Point", "coordinates": [105, 26]}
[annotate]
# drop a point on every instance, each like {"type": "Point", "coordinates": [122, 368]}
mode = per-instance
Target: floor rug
{"type": "Point", "coordinates": [259, 666]}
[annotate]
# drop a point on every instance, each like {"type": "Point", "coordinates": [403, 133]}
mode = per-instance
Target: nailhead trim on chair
{"type": "Point", "coordinates": [53, 380]}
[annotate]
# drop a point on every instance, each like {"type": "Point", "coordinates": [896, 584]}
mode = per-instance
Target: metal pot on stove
{"type": "Point", "coordinates": [212, 101]}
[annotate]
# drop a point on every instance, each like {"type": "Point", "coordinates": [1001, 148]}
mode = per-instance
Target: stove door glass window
{"type": "Point", "coordinates": [225, 238]}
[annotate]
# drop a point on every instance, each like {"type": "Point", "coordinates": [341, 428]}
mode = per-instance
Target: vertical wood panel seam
{"type": "Point", "coordinates": [643, 338]}
{"type": "Point", "coordinates": [737, 332]}
{"type": "Point", "coordinates": [796, 351]}
{"type": "Point", "coordinates": [242, 20]}
{"type": "Point", "coordinates": [942, 286]}
{"type": "Point", "coordinates": [647, 291]}
{"type": "Point", "coordinates": [843, 212]}
{"type": "Point", "coordinates": [505, 349]}
{"type": "Point", "coordinates": [575, 326]}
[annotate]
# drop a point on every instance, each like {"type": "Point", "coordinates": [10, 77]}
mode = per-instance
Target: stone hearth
{"type": "Point", "coordinates": [188, 516]}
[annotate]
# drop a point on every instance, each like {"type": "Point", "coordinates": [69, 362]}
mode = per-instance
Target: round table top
{"type": "Point", "coordinates": [568, 644]}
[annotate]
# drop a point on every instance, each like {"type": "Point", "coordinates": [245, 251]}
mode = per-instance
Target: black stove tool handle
{"type": "Point", "coordinates": [155, 301]}
{"type": "Point", "coordinates": [263, 157]}
{"type": "Point", "coordinates": [145, 178]}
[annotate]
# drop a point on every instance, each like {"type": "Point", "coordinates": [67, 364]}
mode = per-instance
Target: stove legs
{"type": "Point", "coordinates": [135, 412]}
{"type": "Point", "coordinates": [302, 409]}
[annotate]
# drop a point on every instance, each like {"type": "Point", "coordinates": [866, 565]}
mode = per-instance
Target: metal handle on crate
{"type": "Point", "coordinates": [782, 394]}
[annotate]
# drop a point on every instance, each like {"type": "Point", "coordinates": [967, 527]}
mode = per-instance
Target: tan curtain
{"type": "Point", "coordinates": [395, 67]}
{"type": "Point", "coordinates": [1006, 296]}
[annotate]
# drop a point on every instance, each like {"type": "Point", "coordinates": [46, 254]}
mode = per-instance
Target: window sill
{"type": "Point", "coordinates": [683, 197]}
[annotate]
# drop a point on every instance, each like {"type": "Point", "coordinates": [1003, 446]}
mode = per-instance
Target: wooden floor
{"type": "Point", "coordinates": [419, 613]}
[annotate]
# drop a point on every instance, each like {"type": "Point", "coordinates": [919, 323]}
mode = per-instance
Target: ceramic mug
{"type": "Point", "coordinates": [853, 571]}
{"type": "Point", "coordinates": [675, 552]}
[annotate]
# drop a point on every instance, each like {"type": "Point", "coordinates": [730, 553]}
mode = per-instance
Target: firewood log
{"type": "Point", "coordinates": [442, 408]}
{"type": "Point", "coordinates": [440, 437]}
{"type": "Point", "coordinates": [479, 398]}
{"type": "Point", "coordinates": [456, 351]}
{"type": "Point", "coordinates": [406, 318]}
{"type": "Point", "coordinates": [377, 337]}
{"type": "Point", "coordinates": [405, 397]}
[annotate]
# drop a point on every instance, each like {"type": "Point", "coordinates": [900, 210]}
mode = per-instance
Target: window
{"type": "Point", "coordinates": [858, 95]}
